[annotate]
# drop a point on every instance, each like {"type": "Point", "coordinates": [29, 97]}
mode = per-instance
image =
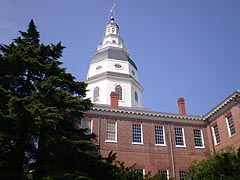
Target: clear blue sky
{"type": "Point", "coordinates": [188, 48]}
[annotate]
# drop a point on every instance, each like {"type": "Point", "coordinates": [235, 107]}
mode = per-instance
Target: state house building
{"type": "Point", "coordinates": [157, 142]}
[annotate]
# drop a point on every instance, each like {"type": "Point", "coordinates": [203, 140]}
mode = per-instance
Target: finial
{"type": "Point", "coordinates": [112, 19]}
{"type": "Point", "coordinates": [112, 9]}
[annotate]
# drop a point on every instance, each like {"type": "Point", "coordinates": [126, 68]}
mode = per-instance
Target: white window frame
{"type": "Point", "coordinates": [141, 135]}
{"type": "Point", "coordinates": [203, 146]}
{"type": "Point", "coordinates": [214, 135]}
{"type": "Point", "coordinates": [181, 172]}
{"type": "Point", "coordinates": [163, 173]}
{"type": "Point", "coordinates": [115, 124]}
{"type": "Point", "coordinates": [122, 92]}
{"type": "Point", "coordinates": [143, 171]}
{"type": "Point", "coordinates": [183, 136]}
{"type": "Point", "coordinates": [91, 125]}
{"type": "Point", "coordinates": [96, 94]}
{"type": "Point", "coordinates": [228, 125]}
{"type": "Point", "coordinates": [164, 144]}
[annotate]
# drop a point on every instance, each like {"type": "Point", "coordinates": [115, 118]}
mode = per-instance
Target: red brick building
{"type": "Point", "coordinates": [157, 142]}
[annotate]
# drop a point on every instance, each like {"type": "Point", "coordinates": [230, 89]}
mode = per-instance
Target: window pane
{"type": "Point", "coordinates": [118, 89]}
{"type": "Point", "coordinates": [179, 136]}
{"type": "Point", "coordinates": [137, 133]}
{"type": "Point", "coordinates": [136, 96]}
{"type": "Point", "coordinates": [198, 137]}
{"type": "Point", "coordinates": [111, 131]}
{"type": "Point", "coordinates": [96, 94]}
{"type": "Point", "coordinates": [216, 134]}
{"type": "Point", "coordinates": [86, 124]}
{"type": "Point", "coordinates": [159, 135]}
{"type": "Point", "coordinates": [164, 173]}
{"type": "Point", "coordinates": [182, 175]}
{"type": "Point", "coordinates": [230, 124]}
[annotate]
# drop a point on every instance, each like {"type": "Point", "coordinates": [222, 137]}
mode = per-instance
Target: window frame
{"type": "Point", "coordinates": [230, 118]}
{"type": "Point", "coordinates": [118, 88]}
{"type": "Point", "coordinates": [139, 170]}
{"type": "Point", "coordinates": [109, 131]}
{"type": "Point", "coordinates": [201, 138]}
{"type": "Point", "coordinates": [215, 138]}
{"type": "Point", "coordinates": [164, 170]}
{"type": "Point", "coordinates": [158, 135]}
{"type": "Point", "coordinates": [182, 175]}
{"type": "Point", "coordinates": [182, 136]}
{"type": "Point", "coordinates": [96, 94]}
{"type": "Point", "coordinates": [134, 133]}
{"type": "Point", "coordinates": [90, 128]}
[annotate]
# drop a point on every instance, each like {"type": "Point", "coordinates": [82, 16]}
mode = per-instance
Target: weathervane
{"type": "Point", "coordinates": [112, 9]}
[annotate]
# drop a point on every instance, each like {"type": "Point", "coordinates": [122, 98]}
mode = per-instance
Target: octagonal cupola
{"type": "Point", "coordinates": [112, 69]}
{"type": "Point", "coordinates": [112, 37]}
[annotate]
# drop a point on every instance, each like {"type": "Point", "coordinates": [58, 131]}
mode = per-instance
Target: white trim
{"type": "Point", "coordinates": [214, 136]}
{"type": "Point", "coordinates": [183, 135]}
{"type": "Point", "coordinates": [164, 170]}
{"type": "Point", "coordinates": [111, 141]}
{"type": "Point", "coordinates": [203, 145]}
{"type": "Point", "coordinates": [228, 128]}
{"type": "Point", "coordinates": [141, 143]}
{"type": "Point", "coordinates": [163, 137]}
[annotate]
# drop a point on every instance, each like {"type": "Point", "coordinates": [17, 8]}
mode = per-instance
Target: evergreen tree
{"type": "Point", "coordinates": [39, 105]}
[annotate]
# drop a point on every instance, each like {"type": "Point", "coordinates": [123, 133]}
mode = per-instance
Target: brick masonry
{"type": "Point", "coordinates": [151, 157]}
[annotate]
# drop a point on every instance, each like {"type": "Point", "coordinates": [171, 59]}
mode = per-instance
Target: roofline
{"type": "Point", "coordinates": [144, 114]}
{"type": "Point", "coordinates": [234, 97]}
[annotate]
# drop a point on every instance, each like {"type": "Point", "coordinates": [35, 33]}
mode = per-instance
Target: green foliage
{"type": "Point", "coordinates": [39, 104]}
{"type": "Point", "coordinates": [223, 165]}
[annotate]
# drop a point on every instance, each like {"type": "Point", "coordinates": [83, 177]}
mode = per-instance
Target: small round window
{"type": "Point", "coordinates": [118, 66]}
{"type": "Point", "coordinates": [98, 67]}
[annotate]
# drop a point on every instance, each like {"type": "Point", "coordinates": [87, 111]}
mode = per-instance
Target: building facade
{"type": "Point", "coordinates": [153, 141]}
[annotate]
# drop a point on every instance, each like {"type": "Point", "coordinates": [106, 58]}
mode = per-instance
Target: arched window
{"type": "Point", "coordinates": [136, 96]}
{"type": "Point", "coordinates": [118, 89]}
{"type": "Point", "coordinates": [96, 94]}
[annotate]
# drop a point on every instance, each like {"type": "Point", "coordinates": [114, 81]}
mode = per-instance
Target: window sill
{"type": "Point", "coordinates": [199, 147]}
{"type": "Point", "coordinates": [181, 146]}
{"type": "Point", "coordinates": [161, 145]}
{"type": "Point", "coordinates": [232, 135]}
{"type": "Point", "coordinates": [134, 143]}
{"type": "Point", "coordinates": [108, 141]}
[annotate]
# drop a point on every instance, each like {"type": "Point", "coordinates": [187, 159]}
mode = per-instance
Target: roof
{"type": "Point", "coordinates": [144, 114]}
{"type": "Point", "coordinates": [231, 100]}
{"type": "Point", "coordinates": [113, 53]}
{"type": "Point", "coordinates": [140, 113]}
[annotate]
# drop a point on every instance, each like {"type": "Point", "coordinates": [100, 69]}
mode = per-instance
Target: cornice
{"type": "Point", "coordinates": [222, 107]}
{"type": "Point", "coordinates": [143, 114]}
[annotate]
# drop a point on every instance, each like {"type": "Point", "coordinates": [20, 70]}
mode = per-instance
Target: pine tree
{"type": "Point", "coordinates": [39, 105]}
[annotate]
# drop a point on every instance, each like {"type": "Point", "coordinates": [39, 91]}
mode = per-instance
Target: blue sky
{"type": "Point", "coordinates": [183, 48]}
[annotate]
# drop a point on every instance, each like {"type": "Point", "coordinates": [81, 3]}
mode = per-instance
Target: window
{"type": "Point", "coordinates": [140, 170]}
{"type": "Point", "coordinates": [86, 124]}
{"type": "Point", "coordinates": [159, 135]}
{"type": "Point", "coordinates": [182, 175]}
{"type": "Point", "coordinates": [111, 132]}
{"type": "Point", "coordinates": [137, 134]}
{"type": "Point", "coordinates": [179, 137]}
{"type": "Point", "coordinates": [230, 125]}
{"type": "Point", "coordinates": [164, 173]}
{"type": "Point", "coordinates": [118, 89]}
{"type": "Point", "coordinates": [136, 96]}
{"type": "Point", "coordinates": [198, 138]}
{"type": "Point", "coordinates": [96, 94]}
{"type": "Point", "coordinates": [216, 135]}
